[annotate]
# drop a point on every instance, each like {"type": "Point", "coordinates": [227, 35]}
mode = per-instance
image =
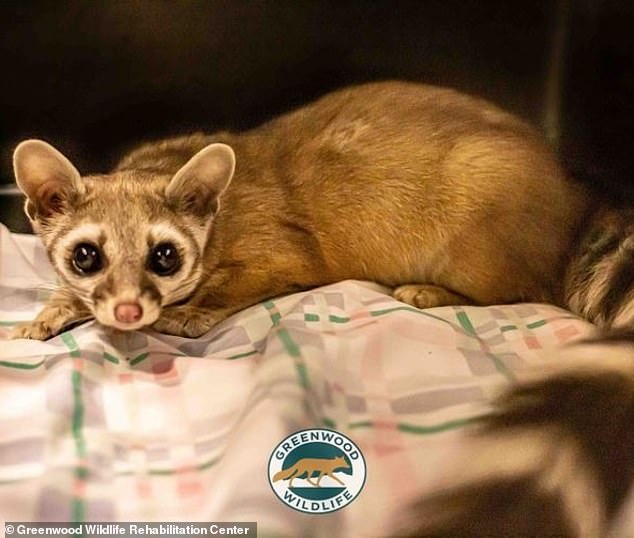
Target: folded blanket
{"type": "Point", "coordinates": [100, 425]}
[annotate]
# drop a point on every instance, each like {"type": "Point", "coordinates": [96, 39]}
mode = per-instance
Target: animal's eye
{"type": "Point", "coordinates": [87, 259]}
{"type": "Point", "coordinates": [164, 259]}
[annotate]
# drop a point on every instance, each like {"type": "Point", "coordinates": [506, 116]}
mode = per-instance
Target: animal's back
{"type": "Point", "coordinates": [407, 183]}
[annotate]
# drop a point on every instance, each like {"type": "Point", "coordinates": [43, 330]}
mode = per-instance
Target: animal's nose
{"type": "Point", "coordinates": [128, 312]}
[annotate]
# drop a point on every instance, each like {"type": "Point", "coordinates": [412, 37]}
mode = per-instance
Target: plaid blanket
{"type": "Point", "coordinates": [100, 425]}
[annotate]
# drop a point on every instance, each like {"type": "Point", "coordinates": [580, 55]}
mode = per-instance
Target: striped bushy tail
{"type": "Point", "coordinates": [599, 283]}
{"type": "Point", "coordinates": [555, 458]}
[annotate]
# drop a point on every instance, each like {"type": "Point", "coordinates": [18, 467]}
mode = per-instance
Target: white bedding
{"type": "Point", "coordinates": [97, 425]}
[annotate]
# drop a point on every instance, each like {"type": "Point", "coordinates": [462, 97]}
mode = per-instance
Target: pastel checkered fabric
{"type": "Point", "coordinates": [98, 425]}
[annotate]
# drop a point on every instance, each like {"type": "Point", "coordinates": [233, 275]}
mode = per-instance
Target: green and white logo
{"type": "Point", "coordinates": [317, 471]}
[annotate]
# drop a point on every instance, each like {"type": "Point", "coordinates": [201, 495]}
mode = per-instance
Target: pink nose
{"type": "Point", "coordinates": [128, 312]}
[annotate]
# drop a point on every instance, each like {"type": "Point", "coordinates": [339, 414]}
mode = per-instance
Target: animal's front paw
{"type": "Point", "coordinates": [50, 322]}
{"type": "Point", "coordinates": [186, 320]}
{"type": "Point", "coordinates": [62, 312]}
{"type": "Point", "coordinates": [35, 330]}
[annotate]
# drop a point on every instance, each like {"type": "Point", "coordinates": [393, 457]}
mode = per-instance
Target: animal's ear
{"type": "Point", "coordinates": [48, 179]}
{"type": "Point", "coordinates": [197, 186]}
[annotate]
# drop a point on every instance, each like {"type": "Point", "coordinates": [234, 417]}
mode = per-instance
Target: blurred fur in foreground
{"type": "Point", "coordinates": [555, 458]}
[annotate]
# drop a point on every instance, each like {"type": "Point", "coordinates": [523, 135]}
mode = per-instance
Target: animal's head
{"type": "Point", "coordinates": [341, 461]}
{"type": "Point", "coordinates": [127, 243]}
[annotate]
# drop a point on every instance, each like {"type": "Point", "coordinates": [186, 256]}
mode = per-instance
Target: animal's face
{"type": "Point", "coordinates": [129, 243]}
{"type": "Point", "coordinates": [125, 252]}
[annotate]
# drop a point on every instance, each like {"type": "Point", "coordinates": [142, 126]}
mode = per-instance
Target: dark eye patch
{"type": "Point", "coordinates": [164, 259]}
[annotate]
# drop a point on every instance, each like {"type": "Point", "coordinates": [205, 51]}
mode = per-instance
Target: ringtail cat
{"type": "Point", "coordinates": [443, 197]}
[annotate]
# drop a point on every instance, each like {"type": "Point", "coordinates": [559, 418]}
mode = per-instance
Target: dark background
{"type": "Point", "coordinates": [95, 77]}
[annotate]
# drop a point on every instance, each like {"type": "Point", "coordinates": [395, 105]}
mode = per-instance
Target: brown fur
{"type": "Point", "coordinates": [439, 195]}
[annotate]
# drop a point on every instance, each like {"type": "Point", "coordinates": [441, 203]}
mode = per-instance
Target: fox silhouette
{"type": "Point", "coordinates": [323, 466]}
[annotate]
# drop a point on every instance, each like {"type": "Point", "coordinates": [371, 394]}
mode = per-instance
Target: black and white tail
{"type": "Point", "coordinates": [599, 284]}
{"type": "Point", "coordinates": [555, 458]}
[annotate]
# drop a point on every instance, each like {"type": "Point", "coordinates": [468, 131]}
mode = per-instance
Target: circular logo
{"type": "Point", "coordinates": [317, 471]}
